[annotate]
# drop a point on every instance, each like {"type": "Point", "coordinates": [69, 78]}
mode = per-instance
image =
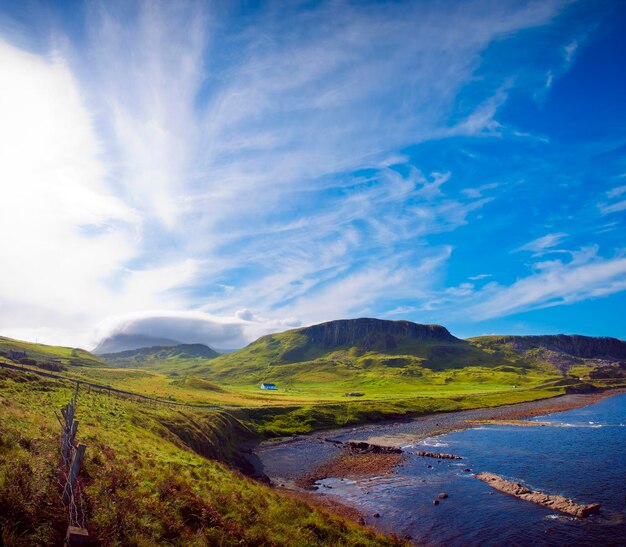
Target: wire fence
{"type": "Point", "coordinates": [70, 489]}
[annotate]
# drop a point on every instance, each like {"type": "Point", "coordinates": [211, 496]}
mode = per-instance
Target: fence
{"type": "Point", "coordinates": [71, 456]}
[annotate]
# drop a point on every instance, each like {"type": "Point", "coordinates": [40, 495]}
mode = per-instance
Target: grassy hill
{"type": "Point", "coordinates": [162, 358]}
{"type": "Point", "coordinates": [54, 358]}
{"type": "Point", "coordinates": [371, 355]}
{"type": "Point", "coordinates": [569, 355]}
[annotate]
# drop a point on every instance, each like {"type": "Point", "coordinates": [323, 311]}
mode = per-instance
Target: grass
{"type": "Point", "coordinates": [162, 358]}
{"type": "Point", "coordinates": [297, 420]}
{"type": "Point", "coordinates": [44, 354]}
{"type": "Point", "coordinates": [149, 477]}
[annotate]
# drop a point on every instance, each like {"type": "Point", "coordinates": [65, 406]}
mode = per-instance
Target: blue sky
{"type": "Point", "coordinates": [216, 171]}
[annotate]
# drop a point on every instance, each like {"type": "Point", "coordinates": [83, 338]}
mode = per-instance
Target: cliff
{"type": "Point", "coordinates": [585, 347]}
{"type": "Point", "coordinates": [369, 333]}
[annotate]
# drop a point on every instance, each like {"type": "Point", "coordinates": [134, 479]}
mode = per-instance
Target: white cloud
{"type": "Point", "coordinates": [62, 231]}
{"type": "Point", "coordinates": [191, 327]}
{"type": "Point", "coordinates": [555, 282]}
{"type": "Point", "coordinates": [616, 205]}
{"type": "Point", "coordinates": [66, 236]}
{"type": "Point", "coordinates": [544, 243]}
{"type": "Point", "coordinates": [615, 192]}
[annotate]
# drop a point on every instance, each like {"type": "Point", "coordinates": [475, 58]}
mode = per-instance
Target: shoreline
{"type": "Point", "coordinates": [335, 461]}
{"type": "Point", "coordinates": [510, 414]}
{"type": "Point", "coordinates": [347, 465]}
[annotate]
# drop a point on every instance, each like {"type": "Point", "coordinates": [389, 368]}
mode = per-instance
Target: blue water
{"type": "Point", "coordinates": [584, 460]}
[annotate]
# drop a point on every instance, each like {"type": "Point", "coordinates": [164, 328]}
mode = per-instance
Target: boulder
{"type": "Point", "coordinates": [554, 502]}
{"type": "Point", "coordinates": [438, 455]}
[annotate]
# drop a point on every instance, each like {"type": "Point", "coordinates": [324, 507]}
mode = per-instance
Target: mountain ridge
{"type": "Point", "coordinates": [152, 356]}
{"type": "Point", "coordinates": [576, 345]}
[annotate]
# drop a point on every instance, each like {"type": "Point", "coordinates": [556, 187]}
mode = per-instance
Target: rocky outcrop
{"type": "Point", "coordinates": [438, 455]}
{"type": "Point", "coordinates": [557, 503]}
{"type": "Point", "coordinates": [361, 447]}
{"type": "Point", "coordinates": [373, 332]}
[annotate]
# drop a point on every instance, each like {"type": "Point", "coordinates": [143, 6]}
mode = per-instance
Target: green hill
{"type": "Point", "coordinates": [366, 353]}
{"type": "Point", "coordinates": [574, 355]}
{"type": "Point", "coordinates": [162, 358]}
{"type": "Point", "coordinates": [53, 358]}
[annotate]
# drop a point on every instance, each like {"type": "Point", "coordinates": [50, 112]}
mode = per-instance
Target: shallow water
{"type": "Point", "coordinates": [585, 460]}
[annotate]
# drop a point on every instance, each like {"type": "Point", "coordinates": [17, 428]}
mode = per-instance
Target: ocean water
{"type": "Point", "coordinates": [583, 459]}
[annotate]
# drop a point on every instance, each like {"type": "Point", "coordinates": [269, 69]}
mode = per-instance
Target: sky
{"type": "Point", "coordinates": [214, 171]}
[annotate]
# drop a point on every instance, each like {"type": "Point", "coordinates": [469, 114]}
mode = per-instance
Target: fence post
{"type": "Point", "coordinates": [76, 537]}
{"type": "Point", "coordinates": [71, 478]}
{"type": "Point", "coordinates": [73, 431]}
{"type": "Point", "coordinates": [66, 435]}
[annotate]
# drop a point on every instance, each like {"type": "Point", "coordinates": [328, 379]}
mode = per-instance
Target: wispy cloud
{"type": "Point", "coordinates": [586, 275]}
{"type": "Point", "coordinates": [616, 201]}
{"type": "Point", "coordinates": [543, 243]}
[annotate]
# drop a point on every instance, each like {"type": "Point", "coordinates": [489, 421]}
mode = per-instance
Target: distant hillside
{"type": "Point", "coordinates": [179, 356]}
{"type": "Point", "coordinates": [562, 352]}
{"type": "Point", "coordinates": [350, 350]}
{"type": "Point", "coordinates": [53, 358]}
{"type": "Point", "coordinates": [585, 347]}
{"type": "Point", "coordinates": [125, 342]}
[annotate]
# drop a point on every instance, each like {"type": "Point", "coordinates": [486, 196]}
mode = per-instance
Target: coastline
{"type": "Point", "coordinates": [324, 454]}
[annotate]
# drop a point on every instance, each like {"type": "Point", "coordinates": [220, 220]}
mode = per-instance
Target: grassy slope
{"type": "Point", "coordinates": [295, 420]}
{"type": "Point", "coordinates": [44, 354]}
{"type": "Point", "coordinates": [168, 359]}
{"type": "Point", "coordinates": [413, 368]}
{"type": "Point", "coordinates": [143, 482]}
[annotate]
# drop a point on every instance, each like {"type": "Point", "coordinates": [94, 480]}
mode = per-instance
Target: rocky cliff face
{"type": "Point", "coordinates": [372, 332]}
{"type": "Point", "coordinates": [585, 347]}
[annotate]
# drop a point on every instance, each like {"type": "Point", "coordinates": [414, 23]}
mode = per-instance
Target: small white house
{"type": "Point", "coordinates": [269, 386]}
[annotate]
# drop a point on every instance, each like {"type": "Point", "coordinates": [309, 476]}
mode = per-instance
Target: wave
{"type": "Point", "coordinates": [432, 442]}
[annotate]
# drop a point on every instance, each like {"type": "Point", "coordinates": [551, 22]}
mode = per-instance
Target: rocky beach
{"type": "Point", "coordinates": [319, 467]}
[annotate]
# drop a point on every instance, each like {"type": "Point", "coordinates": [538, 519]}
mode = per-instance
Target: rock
{"type": "Point", "coordinates": [429, 466]}
{"type": "Point", "coordinates": [435, 502]}
{"type": "Point", "coordinates": [438, 455]}
{"type": "Point", "coordinates": [467, 470]}
{"type": "Point", "coordinates": [376, 515]}
{"type": "Point", "coordinates": [363, 447]}
{"type": "Point", "coordinates": [442, 496]}
{"type": "Point", "coordinates": [333, 441]}
{"type": "Point", "coordinates": [557, 503]}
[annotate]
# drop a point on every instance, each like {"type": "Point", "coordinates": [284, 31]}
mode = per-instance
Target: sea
{"type": "Point", "coordinates": [582, 458]}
